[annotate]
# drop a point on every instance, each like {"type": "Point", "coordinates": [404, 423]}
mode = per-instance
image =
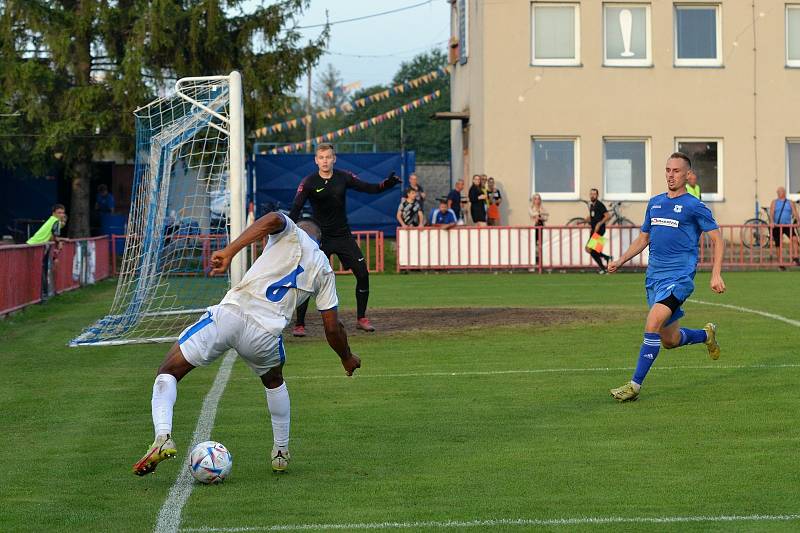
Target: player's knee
{"type": "Point", "coordinates": [669, 343]}
{"type": "Point", "coordinates": [273, 378]}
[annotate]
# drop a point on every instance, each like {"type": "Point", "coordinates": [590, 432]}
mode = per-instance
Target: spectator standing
{"type": "Point", "coordinates": [408, 212]}
{"type": "Point", "coordinates": [539, 216]}
{"type": "Point", "coordinates": [495, 199]}
{"type": "Point", "coordinates": [104, 202]}
{"type": "Point", "coordinates": [477, 201]}
{"type": "Point", "coordinates": [598, 216]}
{"type": "Point", "coordinates": [443, 216]}
{"type": "Point", "coordinates": [49, 233]}
{"type": "Point", "coordinates": [413, 182]}
{"type": "Point", "coordinates": [454, 199]}
{"type": "Point", "coordinates": [782, 212]}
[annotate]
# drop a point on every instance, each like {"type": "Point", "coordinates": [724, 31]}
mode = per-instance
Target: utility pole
{"type": "Point", "coordinates": [308, 107]}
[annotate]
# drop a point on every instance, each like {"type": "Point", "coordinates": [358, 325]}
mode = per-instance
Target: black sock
{"type": "Point", "coordinates": [301, 314]}
{"type": "Point", "coordinates": [598, 259]}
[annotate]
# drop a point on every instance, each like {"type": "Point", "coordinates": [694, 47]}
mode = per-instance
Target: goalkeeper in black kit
{"type": "Point", "coordinates": [326, 190]}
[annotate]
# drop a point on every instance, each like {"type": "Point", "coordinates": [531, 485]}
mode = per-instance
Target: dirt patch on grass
{"type": "Point", "coordinates": [388, 320]}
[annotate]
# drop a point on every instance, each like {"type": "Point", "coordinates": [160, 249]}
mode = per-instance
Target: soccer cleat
{"type": "Point", "coordinates": [626, 393]}
{"type": "Point", "coordinates": [280, 460]}
{"type": "Point", "coordinates": [711, 340]}
{"type": "Point", "coordinates": [162, 448]}
{"type": "Point", "coordinates": [299, 331]}
{"type": "Point", "coordinates": [365, 324]}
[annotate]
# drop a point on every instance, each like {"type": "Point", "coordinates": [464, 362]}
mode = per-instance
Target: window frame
{"type": "Point", "coordinates": [463, 31]}
{"type": "Point", "coordinates": [695, 62]}
{"type": "Point", "coordinates": [793, 195]}
{"type": "Point", "coordinates": [718, 196]}
{"type": "Point", "coordinates": [648, 60]}
{"type": "Point", "coordinates": [648, 178]}
{"type": "Point", "coordinates": [576, 152]}
{"type": "Point", "coordinates": [559, 62]}
{"type": "Point", "coordinates": [790, 63]}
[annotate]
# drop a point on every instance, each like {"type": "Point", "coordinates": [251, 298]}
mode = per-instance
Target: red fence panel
{"type": "Point", "coordinates": [371, 245]}
{"type": "Point", "coordinates": [20, 276]}
{"type": "Point", "coordinates": [102, 259]}
{"type": "Point", "coordinates": [62, 267]}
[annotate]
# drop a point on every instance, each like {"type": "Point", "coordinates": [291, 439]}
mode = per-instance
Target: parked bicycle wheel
{"type": "Point", "coordinates": [622, 221]}
{"type": "Point", "coordinates": [576, 221]}
{"type": "Point", "coordinates": [755, 234]}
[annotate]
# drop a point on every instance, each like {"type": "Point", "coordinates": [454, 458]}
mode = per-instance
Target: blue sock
{"type": "Point", "coordinates": [692, 336]}
{"type": "Point", "coordinates": [647, 354]}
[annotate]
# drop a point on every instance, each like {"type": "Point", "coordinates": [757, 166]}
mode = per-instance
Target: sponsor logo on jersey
{"type": "Point", "coordinates": [320, 190]}
{"type": "Point", "coordinates": [658, 221]}
{"type": "Point", "coordinates": [657, 206]}
{"type": "Point", "coordinates": [678, 208]}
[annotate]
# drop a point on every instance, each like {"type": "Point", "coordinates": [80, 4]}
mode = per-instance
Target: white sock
{"type": "Point", "coordinates": [165, 392]}
{"type": "Point", "coordinates": [278, 405]}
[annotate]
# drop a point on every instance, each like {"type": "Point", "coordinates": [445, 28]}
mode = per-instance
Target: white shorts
{"type": "Point", "coordinates": [221, 328]}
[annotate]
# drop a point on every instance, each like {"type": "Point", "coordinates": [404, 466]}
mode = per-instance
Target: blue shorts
{"type": "Point", "coordinates": [659, 289]}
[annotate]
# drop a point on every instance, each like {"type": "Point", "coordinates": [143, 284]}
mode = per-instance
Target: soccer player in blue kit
{"type": "Point", "coordinates": [672, 227]}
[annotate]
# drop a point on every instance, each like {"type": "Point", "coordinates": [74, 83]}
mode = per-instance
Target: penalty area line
{"type": "Point", "coordinates": [169, 518]}
{"type": "Point", "coordinates": [773, 316]}
{"type": "Point", "coordinates": [520, 522]}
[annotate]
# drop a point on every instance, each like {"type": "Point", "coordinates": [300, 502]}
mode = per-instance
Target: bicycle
{"type": "Point", "coordinates": [616, 219]}
{"type": "Point", "coordinates": [756, 232]}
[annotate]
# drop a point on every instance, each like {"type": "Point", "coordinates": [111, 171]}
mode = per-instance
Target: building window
{"type": "Point", "coordinates": [793, 168]}
{"type": "Point", "coordinates": [627, 35]}
{"type": "Point", "coordinates": [793, 35]}
{"type": "Point", "coordinates": [706, 156]}
{"type": "Point", "coordinates": [463, 31]}
{"type": "Point", "coordinates": [697, 35]}
{"type": "Point", "coordinates": [626, 169]}
{"type": "Point", "coordinates": [556, 34]}
{"type": "Point", "coordinates": [556, 168]}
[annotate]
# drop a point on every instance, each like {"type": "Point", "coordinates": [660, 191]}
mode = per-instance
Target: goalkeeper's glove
{"type": "Point", "coordinates": [390, 181]}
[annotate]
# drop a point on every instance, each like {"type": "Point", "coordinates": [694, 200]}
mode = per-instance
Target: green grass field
{"type": "Point", "coordinates": [487, 422]}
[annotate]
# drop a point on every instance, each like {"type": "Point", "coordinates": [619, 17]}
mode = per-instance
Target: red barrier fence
{"type": "Point", "coordinates": [371, 245]}
{"type": "Point", "coordinates": [20, 276]}
{"type": "Point", "coordinates": [78, 262]}
{"type": "Point", "coordinates": [562, 247]}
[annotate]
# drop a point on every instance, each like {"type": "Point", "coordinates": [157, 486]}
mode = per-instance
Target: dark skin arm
{"type": "Point", "coordinates": [337, 340]}
{"type": "Point", "coordinates": [266, 225]}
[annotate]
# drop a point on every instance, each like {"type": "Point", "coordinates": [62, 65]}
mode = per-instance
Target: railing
{"type": "Point", "coordinates": [370, 243]}
{"type": "Point", "coordinates": [195, 254]}
{"type": "Point", "coordinates": [78, 262]}
{"type": "Point", "coordinates": [558, 247]}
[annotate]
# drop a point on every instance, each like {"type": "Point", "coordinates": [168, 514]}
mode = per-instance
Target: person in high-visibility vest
{"type": "Point", "coordinates": [691, 184]}
{"type": "Point", "coordinates": [51, 229]}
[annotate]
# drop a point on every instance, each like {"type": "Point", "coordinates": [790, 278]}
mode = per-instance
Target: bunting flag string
{"type": "Point", "coordinates": [364, 124]}
{"type": "Point", "coordinates": [348, 107]}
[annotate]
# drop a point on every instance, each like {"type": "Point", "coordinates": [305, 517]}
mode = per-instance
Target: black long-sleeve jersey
{"type": "Point", "coordinates": [328, 199]}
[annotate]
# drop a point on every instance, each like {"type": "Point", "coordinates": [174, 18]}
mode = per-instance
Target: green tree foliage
{"type": "Point", "coordinates": [429, 138]}
{"type": "Point", "coordinates": [72, 71]}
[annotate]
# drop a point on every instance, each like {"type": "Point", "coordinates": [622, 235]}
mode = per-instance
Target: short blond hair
{"type": "Point", "coordinates": [324, 147]}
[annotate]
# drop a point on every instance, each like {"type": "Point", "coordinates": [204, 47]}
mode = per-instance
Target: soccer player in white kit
{"type": "Point", "coordinates": [250, 319]}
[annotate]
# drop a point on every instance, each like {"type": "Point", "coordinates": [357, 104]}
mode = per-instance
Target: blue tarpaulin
{"type": "Point", "coordinates": [277, 177]}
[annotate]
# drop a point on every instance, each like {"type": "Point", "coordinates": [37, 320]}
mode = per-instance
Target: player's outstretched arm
{"type": "Point", "coordinates": [337, 339]}
{"type": "Point", "coordinates": [362, 186]}
{"type": "Point", "coordinates": [636, 247]}
{"type": "Point", "coordinates": [266, 225]}
{"type": "Point", "coordinates": [717, 284]}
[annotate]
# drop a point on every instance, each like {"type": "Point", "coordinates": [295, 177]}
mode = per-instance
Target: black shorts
{"type": "Point", "coordinates": [478, 213]}
{"type": "Point", "coordinates": [776, 233]}
{"type": "Point", "coordinates": [345, 248]}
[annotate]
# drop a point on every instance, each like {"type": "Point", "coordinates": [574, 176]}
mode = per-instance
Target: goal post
{"type": "Point", "coordinates": [188, 200]}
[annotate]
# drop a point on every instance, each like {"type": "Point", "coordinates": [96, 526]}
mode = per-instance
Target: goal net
{"type": "Point", "coordinates": [187, 201]}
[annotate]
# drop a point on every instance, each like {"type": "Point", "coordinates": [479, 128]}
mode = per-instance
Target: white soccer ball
{"type": "Point", "coordinates": [210, 462]}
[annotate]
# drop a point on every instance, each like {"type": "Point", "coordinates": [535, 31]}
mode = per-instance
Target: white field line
{"type": "Point", "coordinates": [540, 371]}
{"type": "Point", "coordinates": [795, 323]}
{"type": "Point", "coordinates": [522, 522]}
{"type": "Point", "coordinates": [169, 518]}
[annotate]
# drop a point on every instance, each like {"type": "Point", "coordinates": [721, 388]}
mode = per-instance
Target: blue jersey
{"type": "Point", "coordinates": [675, 225]}
{"type": "Point", "coordinates": [448, 217]}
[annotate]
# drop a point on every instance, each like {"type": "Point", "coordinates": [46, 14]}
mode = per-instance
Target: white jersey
{"type": "Point", "coordinates": [290, 269]}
